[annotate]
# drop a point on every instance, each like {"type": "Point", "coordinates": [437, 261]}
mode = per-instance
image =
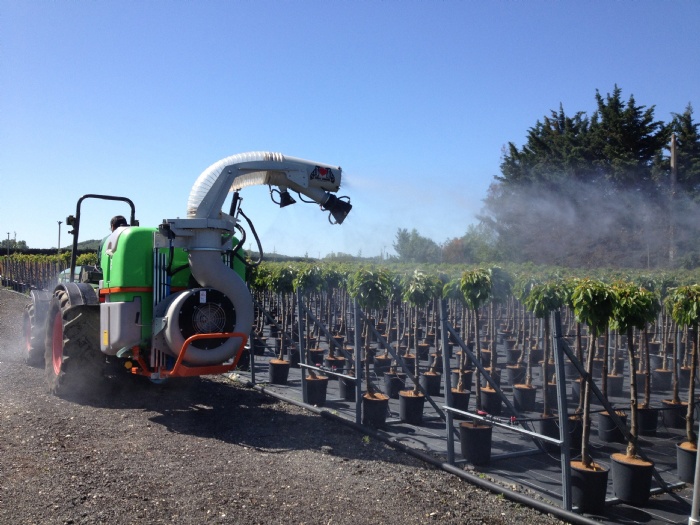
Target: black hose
{"type": "Point", "coordinates": [251, 264]}
{"type": "Point", "coordinates": [517, 497]}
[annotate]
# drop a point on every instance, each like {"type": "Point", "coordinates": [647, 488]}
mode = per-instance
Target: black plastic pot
{"type": "Point", "coordinates": [435, 361]}
{"type": "Point", "coordinates": [685, 462]}
{"type": "Point", "coordinates": [316, 357]}
{"type": "Point", "coordinates": [536, 354]}
{"type": "Point", "coordinates": [495, 376]}
{"type": "Point", "coordinates": [260, 345]}
{"type": "Point", "coordinates": [375, 409]}
{"type": "Point", "coordinates": [683, 377]}
{"type": "Point", "coordinates": [524, 398]}
{"type": "Point", "coordinates": [673, 414]}
{"type": "Point", "coordinates": [431, 383]}
{"type": "Point", "coordinates": [575, 432]}
{"type": "Point", "coordinates": [515, 374]}
{"type": "Point", "coordinates": [410, 360]}
{"type": "Point", "coordinates": [615, 385]}
{"type": "Point", "coordinates": [656, 361]}
{"type": "Point", "coordinates": [588, 488]}
{"type": "Point", "coordinates": [512, 356]}
{"type": "Point", "coordinates": [491, 402]}
{"type": "Point", "coordinates": [335, 364]}
{"type": "Point", "coordinates": [631, 479]}
{"type": "Point", "coordinates": [549, 426]}
{"type": "Point", "coordinates": [294, 356]}
{"type": "Point", "coordinates": [460, 401]}
{"type": "Point", "coordinates": [608, 432]}
{"type": "Point", "coordinates": [423, 351]}
{"type": "Point", "coordinates": [468, 377]}
{"type": "Point", "coordinates": [648, 421]}
{"type": "Point", "coordinates": [382, 364]}
{"type": "Point", "coordinates": [393, 384]}
{"type": "Point", "coordinates": [475, 442]}
{"type": "Point", "coordinates": [346, 389]}
{"type": "Point", "coordinates": [278, 371]}
{"type": "Point", "coordinates": [661, 380]}
{"type": "Point", "coordinates": [411, 407]}
{"type": "Point", "coordinates": [316, 388]}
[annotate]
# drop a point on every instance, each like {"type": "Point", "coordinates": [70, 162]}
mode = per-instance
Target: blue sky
{"type": "Point", "coordinates": [414, 99]}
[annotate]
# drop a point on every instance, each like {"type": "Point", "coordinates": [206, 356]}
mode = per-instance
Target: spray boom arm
{"type": "Point", "coordinates": [313, 179]}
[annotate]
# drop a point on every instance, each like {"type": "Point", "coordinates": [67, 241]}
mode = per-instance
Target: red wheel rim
{"type": "Point", "coordinates": [57, 344]}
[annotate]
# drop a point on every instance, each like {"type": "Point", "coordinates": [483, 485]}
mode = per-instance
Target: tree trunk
{"type": "Point", "coordinates": [690, 416]}
{"type": "Point", "coordinates": [586, 391]}
{"type": "Point", "coordinates": [634, 425]}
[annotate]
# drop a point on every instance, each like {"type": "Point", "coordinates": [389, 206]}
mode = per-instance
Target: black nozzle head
{"type": "Point", "coordinates": [339, 208]}
{"type": "Point", "coordinates": [286, 199]}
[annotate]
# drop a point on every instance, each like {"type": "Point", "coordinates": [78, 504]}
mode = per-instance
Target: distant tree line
{"type": "Point", "coordinates": [587, 191]}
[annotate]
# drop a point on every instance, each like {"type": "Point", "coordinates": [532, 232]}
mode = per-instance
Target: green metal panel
{"type": "Point", "coordinates": [130, 267]}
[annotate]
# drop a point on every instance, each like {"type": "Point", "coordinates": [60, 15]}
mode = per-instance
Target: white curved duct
{"type": "Point", "coordinates": [201, 232]}
{"type": "Point", "coordinates": [313, 179]}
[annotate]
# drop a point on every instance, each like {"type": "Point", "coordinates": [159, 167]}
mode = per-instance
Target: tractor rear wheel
{"type": "Point", "coordinates": [73, 360]}
{"type": "Point", "coordinates": [34, 335]}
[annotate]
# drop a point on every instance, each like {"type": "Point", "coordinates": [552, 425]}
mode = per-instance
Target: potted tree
{"type": "Point", "coordinates": [462, 391]}
{"type": "Point", "coordinates": [520, 372]}
{"type": "Point", "coordinates": [542, 300]}
{"type": "Point", "coordinates": [634, 308]}
{"type": "Point", "coordinates": [501, 289]}
{"type": "Point", "coordinates": [417, 292]}
{"type": "Point", "coordinates": [334, 280]}
{"type": "Point", "coordinates": [309, 280]}
{"type": "Point", "coordinates": [282, 283]}
{"type": "Point", "coordinates": [430, 380]}
{"type": "Point", "coordinates": [371, 287]}
{"type": "Point", "coordinates": [475, 437]}
{"type": "Point", "coordinates": [593, 302]}
{"type": "Point", "coordinates": [394, 379]}
{"type": "Point", "coordinates": [685, 310]}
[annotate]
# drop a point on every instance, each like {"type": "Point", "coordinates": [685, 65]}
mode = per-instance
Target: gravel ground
{"type": "Point", "coordinates": [205, 450]}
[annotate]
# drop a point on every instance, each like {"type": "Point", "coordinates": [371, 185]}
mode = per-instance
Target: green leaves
{"type": "Point", "coordinates": [593, 302]}
{"type": "Point", "coordinates": [476, 287]}
{"type": "Point", "coordinates": [544, 298]}
{"type": "Point", "coordinates": [309, 279]}
{"type": "Point", "coordinates": [282, 278]}
{"type": "Point", "coordinates": [684, 304]}
{"type": "Point", "coordinates": [634, 307]}
{"type": "Point", "coordinates": [371, 287]}
{"type": "Point", "coordinates": [420, 287]}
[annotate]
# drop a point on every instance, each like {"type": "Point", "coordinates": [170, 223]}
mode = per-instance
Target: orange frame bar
{"type": "Point", "coordinates": [182, 370]}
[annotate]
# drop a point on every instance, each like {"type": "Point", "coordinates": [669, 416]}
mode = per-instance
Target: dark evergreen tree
{"type": "Point", "coordinates": [625, 139]}
{"type": "Point", "coordinates": [594, 192]}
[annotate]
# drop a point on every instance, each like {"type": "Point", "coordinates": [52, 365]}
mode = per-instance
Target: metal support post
{"type": "Point", "coordinates": [563, 413]}
{"type": "Point", "coordinates": [695, 509]}
{"type": "Point", "coordinates": [359, 370]}
{"type": "Point", "coordinates": [447, 380]}
{"type": "Point", "coordinates": [302, 352]}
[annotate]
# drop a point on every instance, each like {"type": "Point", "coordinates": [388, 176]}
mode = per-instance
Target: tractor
{"type": "Point", "coordinates": [169, 301]}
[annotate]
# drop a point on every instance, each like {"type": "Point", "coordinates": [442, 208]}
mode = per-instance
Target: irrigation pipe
{"type": "Point", "coordinates": [516, 497]}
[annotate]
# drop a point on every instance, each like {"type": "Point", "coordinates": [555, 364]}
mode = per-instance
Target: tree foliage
{"type": "Point", "coordinates": [414, 248]}
{"type": "Point", "coordinates": [594, 190]}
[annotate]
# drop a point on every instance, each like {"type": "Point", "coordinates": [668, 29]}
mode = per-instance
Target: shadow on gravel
{"type": "Point", "coordinates": [216, 408]}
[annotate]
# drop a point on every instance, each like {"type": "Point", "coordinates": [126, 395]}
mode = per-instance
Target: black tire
{"type": "Point", "coordinates": [34, 336]}
{"type": "Point", "coordinates": [74, 363]}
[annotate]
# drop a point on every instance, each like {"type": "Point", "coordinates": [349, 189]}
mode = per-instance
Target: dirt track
{"type": "Point", "coordinates": [204, 451]}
